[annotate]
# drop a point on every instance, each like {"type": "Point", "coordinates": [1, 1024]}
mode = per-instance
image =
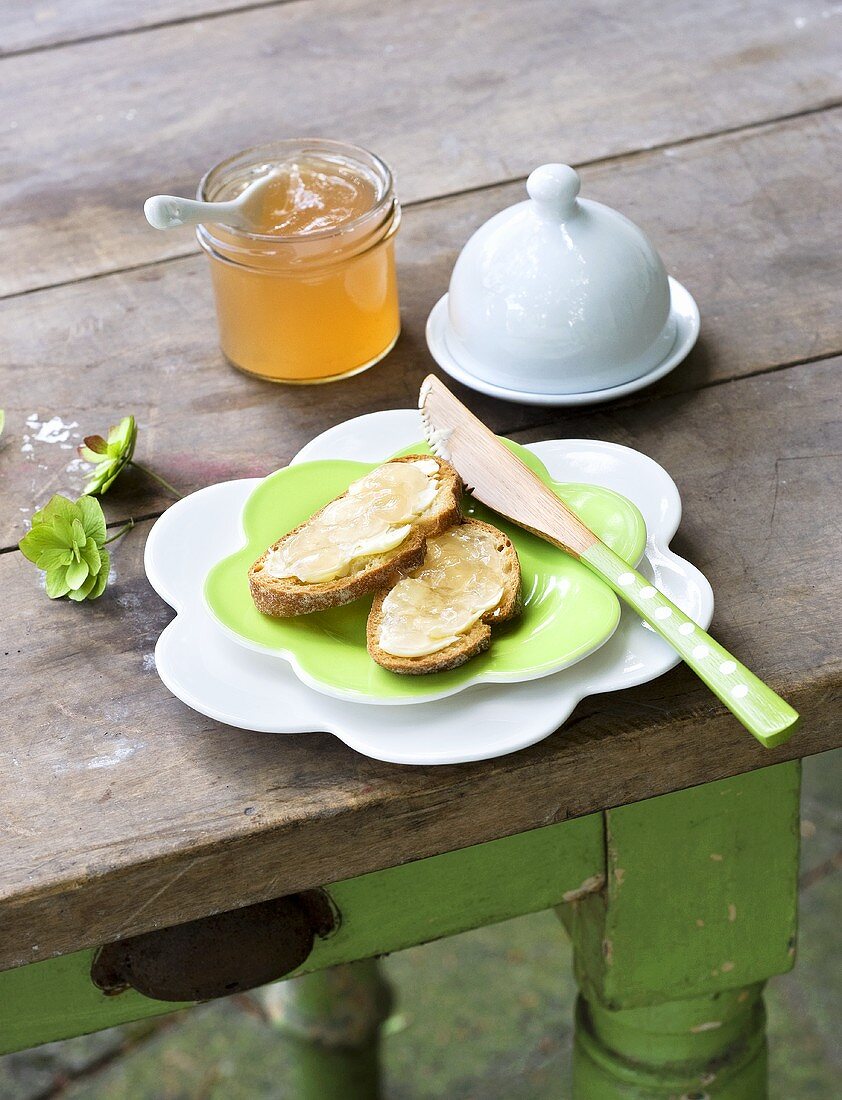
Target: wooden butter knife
{"type": "Point", "coordinates": [497, 477]}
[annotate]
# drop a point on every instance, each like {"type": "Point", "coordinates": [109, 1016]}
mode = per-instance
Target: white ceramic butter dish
{"type": "Point", "coordinates": [559, 300]}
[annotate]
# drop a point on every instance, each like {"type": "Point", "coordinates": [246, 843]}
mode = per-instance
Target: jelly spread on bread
{"type": "Point", "coordinates": [461, 579]}
{"type": "Point", "coordinates": [373, 517]}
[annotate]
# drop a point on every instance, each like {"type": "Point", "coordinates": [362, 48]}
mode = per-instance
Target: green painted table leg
{"type": "Point", "coordinates": [332, 1021]}
{"type": "Point", "coordinates": [706, 1048]}
{"type": "Point", "coordinates": [698, 909]}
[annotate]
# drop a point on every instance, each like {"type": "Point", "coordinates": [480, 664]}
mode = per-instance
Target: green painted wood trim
{"type": "Point", "coordinates": [380, 912]}
{"type": "Point", "coordinates": [55, 999]}
{"type": "Point", "coordinates": [487, 883]}
{"type": "Point", "coordinates": [761, 710]}
{"type": "Point", "coordinates": [700, 896]}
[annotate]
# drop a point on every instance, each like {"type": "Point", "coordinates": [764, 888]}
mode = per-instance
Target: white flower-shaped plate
{"type": "Point", "coordinates": [221, 679]}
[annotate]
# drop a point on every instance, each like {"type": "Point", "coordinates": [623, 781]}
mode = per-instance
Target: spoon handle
{"type": "Point", "coordinates": [169, 211]}
{"type": "Point", "coordinates": [757, 706]}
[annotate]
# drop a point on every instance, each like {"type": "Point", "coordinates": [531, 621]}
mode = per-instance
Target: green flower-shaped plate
{"type": "Point", "coordinates": [568, 612]}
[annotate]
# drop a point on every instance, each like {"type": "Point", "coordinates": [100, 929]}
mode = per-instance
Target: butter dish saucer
{"type": "Point", "coordinates": [226, 682]}
{"type": "Point", "coordinates": [685, 314]}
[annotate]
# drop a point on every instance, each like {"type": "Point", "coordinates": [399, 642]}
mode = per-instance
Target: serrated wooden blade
{"type": "Point", "coordinates": [493, 474]}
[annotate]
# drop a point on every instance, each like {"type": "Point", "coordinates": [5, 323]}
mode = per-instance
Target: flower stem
{"type": "Point", "coordinates": [122, 531]}
{"type": "Point", "coordinates": [156, 477]}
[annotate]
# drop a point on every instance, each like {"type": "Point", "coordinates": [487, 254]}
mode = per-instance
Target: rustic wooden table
{"type": "Point", "coordinates": [718, 130]}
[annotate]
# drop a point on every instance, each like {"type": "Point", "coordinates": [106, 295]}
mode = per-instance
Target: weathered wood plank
{"type": "Point", "coordinates": [151, 111]}
{"type": "Point", "coordinates": [122, 810]}
{"type": "Point", "coordinates": [742, 220]}
{"type": "Point", "coordinates": [32, 26]}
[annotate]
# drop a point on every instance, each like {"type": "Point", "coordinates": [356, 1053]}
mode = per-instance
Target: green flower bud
{"type": "Point", "coordinates": [109, 457]}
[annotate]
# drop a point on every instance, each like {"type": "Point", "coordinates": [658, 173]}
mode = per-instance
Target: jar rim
{"type": "Point", "coordinates": [382, 172]}
{"type": "Point", "coordinates": [237, 255]}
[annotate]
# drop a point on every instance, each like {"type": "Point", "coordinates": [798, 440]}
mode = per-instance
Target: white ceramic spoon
{"type": "Point", "coordinates": [170, 211]}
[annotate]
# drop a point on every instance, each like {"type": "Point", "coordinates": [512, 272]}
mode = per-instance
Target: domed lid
{"type": "Point", "coordinates": [559, 294]}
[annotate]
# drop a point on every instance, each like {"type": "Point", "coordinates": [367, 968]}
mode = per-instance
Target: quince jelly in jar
{"type": "Point", "coordinates": [310, 295]}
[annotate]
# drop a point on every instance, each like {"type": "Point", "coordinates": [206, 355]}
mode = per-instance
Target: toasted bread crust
{"type": "Point", "coordinates": [283, 597]}
{"type": "Point", "coordinates": [468, 645]}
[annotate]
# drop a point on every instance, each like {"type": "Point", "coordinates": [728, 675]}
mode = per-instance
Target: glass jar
{"type": "Point", "coordinates": [312, 298]}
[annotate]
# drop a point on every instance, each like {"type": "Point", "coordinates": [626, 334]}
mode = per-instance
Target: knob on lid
{"type": "Point", "coordinates": [553, 188]}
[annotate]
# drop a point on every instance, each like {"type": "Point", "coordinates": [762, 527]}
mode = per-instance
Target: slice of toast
{"type": "Point", "coordinates": [286, 596]}
{"type": "Point", "coordinates": [474, 640]}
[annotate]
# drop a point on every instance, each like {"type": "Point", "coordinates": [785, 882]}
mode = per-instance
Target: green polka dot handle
{"type": "Point", "coordinates": [760, 709]}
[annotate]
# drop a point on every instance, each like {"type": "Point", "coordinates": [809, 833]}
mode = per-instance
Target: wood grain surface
{"type": "Point", "coordinates": [736, 219]}
{"type": "Point", "coordinates": [453, 95]}
{"type": "Point", "coordinates": [714, 127]}
{"type": "Point", "coordinates": [128, 811]}
{"type": "Point", "coordinates": [32, 25]}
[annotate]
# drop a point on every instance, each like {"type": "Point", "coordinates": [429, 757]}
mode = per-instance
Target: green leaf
{"type": "Point", "coordinates": [90, 555]}
{"type": "Point", "coordinates": [104, 476]}
{"type": "Point", "coordinates": [57, 583]}
{"type": "Point", "coordinates": [113, 471]}
{"type": "Point", "coordinates": [84, 591]}
{"type": "Point", "coordinates": [54, 559]}
{"type": "Point", "coordinates": [77, 573]}
{"type": "Point", "coordinates": [94, 483]}
{"type": "Point", "coordinates": [79, 536]}
{"type": "Point", "coordinates": [57, 506]}
{"type": "Point", "coordinates": [122, 436]}
{"type": "Point", "coordinates": [63, 531]}
{"type": "Point", "coordinates": [93, 520]}
{"type": "Point", "coordinates": [37, 540]}
{"type": "Point", "coordinates": [102, 575]}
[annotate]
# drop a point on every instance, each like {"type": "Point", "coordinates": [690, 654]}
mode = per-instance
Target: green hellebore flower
{"type": "Point", "coordinates": [109, 457]}
{"type": "Point", "coordinates": [66, 541]}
